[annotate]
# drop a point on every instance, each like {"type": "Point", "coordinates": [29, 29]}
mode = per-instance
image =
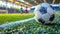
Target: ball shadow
{"type": "Point", "coordinates": [53, 24]}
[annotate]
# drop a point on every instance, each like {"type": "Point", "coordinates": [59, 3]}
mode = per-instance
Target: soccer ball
{"type": "Point", "coordinates": [44, 13]}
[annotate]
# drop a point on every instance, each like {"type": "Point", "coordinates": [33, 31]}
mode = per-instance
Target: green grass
{"type": "Point", "coordinates": [5, 18]}
{"type": "Point", "coordinates": [32, 27]}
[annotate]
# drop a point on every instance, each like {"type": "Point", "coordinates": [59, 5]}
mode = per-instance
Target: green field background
{"type": "Point", "coordinates": [5, 18]}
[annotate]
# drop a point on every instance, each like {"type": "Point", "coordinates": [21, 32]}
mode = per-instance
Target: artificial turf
{"type": "Point", "coordinates": [32, 27]}
{"type": "Point", "coordinates": [6, 18]}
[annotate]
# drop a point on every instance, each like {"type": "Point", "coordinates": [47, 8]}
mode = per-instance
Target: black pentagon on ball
{"type": "Point", "coordinates": [52, 17]}
{"type": "Point", "coordinates": [52, 7]}
{"type": "Point", "coordinates": [43, 10]}
{"type": "Point", "coordinates": [41, 20]}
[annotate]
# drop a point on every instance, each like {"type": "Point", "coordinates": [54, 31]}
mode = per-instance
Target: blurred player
{"type": "Point", "coordinates": [26, 7]}
{"type": "Point", "coordinates": [21, 9]}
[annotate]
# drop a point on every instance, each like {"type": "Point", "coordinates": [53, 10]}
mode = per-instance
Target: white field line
{"type": "Point", "coordinates": [10, 24]}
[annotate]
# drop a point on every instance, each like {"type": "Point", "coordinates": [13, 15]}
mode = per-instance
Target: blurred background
{"type": "Point", "coordinates": [24, 6]}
